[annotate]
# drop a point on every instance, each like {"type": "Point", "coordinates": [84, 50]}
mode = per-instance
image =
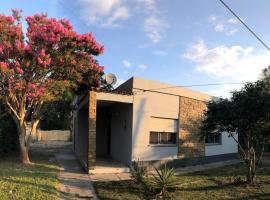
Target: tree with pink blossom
{"type": "Point", "coordinates": [41, 65]}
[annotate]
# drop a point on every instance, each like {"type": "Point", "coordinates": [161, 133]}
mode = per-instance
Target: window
{"type": "Point", "coordinates": [213, 139]}
{"type": "Point", "coordinates": [162, 138]}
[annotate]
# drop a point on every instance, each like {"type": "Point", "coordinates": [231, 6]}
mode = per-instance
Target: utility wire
{"type": "Point", "coordinates": [250, 30]}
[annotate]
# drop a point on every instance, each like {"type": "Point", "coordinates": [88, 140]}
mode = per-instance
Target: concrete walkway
{"type": "Point", "coordinates": [74, 182]}
{"type": "Point", "coordinates": [110, 177]}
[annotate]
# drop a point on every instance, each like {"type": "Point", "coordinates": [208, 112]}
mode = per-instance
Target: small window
{"type": "Point", "coordinates": [162, 138]}
{"type": "Point", "coordinates": [213, 139]}
{"type": "Point", "coordinates": [153, 138]}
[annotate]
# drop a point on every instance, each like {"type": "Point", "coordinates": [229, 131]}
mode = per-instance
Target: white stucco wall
{"type": "Point", "coordinates": [147, 105]}
{"type": "Point", "coordinates": [121, 127]}
{"type": "Point", "coordinates": [228, 145]}
{"type": "Point", "coordinates": [162, 104]}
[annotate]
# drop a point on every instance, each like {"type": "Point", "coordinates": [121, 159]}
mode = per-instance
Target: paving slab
{"type": "Point", "coordinates": [74, 182]}
{"type": "Point", "coordinates": [109, 177]}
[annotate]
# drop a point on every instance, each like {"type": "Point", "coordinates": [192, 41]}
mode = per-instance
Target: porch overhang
{"type": "Point", "coordinates": [115, 97]}
{"type": "Point", "coordinates": [93, 98]}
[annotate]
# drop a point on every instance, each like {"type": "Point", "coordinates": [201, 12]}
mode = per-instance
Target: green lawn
{"type": "Point", "coordinates": [218, 183]}
{"type": "Point", "coordinates": [37, 181]}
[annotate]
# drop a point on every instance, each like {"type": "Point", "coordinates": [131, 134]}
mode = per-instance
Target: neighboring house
{"type": "Point", "coordinates": [147, 121]}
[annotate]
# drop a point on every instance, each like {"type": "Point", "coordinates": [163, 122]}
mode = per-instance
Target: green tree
{"type": "Point", "coordinates": [246, 114]}
{"type": "Point", "coordinates": [40, 65]}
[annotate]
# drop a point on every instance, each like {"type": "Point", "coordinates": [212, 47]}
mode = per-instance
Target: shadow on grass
{"type": "Point", "coordinates": [257, 196]}
{"type": "Point", "coordinates": [45, 188]}
{"type": "Point", "coordinates": [117, 186]}
{"type": "Point", "coordinates": [227, 180]}
{"type": "Point", "coordinates": [230, 170]}
{"type": "Point", "coordinates": [40, 177]}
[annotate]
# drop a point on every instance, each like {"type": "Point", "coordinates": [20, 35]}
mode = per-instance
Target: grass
{"type": "Point", "coordinates": [37, 181]}
{"type": "Point", "coordinates": [219, 183]}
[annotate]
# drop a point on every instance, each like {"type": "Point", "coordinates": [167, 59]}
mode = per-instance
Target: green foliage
{"type": "Point", "coordinates": [163, 182]}
{"type": "Point", "coordinates": [246, 113]}
{"type": "Point", "coordinates": [56, 116]}
{"type": "Point", "coordinates": [8, 132]}
{"type": "Point", "coordinates": [138, 171]}
{"type": "Point", "coordinates": [139, 177]}
{"type": "Point", "coordinates": [210, 184]}
{"type": "Point", "coordinates": [157, 186]}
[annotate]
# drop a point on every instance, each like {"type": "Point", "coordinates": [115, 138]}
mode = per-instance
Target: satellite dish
{"type": "Point", "coordinates": [110, 79]}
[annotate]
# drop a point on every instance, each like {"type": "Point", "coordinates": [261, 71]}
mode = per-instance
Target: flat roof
{"type": "Point", "coordinates": [136, 83]}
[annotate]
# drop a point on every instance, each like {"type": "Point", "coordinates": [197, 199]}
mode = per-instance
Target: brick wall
{"type": "Point", "coordinates": [92, 130]}
{"type": "Point", "coordinates": [190, 115]}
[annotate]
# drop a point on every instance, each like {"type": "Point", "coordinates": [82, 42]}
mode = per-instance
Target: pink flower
{"type": "Point", "coordinates": [42, 53]}
{"type": "Point", "coordinates": [18, 44]}
{"type": "Point", "coordinates": [3, 66]}
{"type": "Point", "coordinates": [43, 59]}
{"type": "Point", "coordinates": [32, 86]}
{"type": "Point", "coordinates": [19, 70]}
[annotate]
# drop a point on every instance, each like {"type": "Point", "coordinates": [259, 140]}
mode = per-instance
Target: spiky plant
{"type": "Point", "coordinates": [163, 181]}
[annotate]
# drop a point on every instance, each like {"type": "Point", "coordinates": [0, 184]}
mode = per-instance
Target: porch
{"type": "Point", "coordinates": [103, 136]}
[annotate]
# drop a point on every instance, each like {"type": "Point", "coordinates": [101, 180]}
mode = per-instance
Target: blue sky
{"type": "Point", "coordinates": [182, 42]}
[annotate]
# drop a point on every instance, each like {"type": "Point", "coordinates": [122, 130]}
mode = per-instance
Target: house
{"type": "Point", "coordinates": [148, 121]}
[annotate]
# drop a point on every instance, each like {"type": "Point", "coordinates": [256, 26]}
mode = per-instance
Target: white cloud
{"type": "Point", "coordinates": [233, 63]}
{"type": "Point", "coordinates": [224, 90]}
{"type": "Point", "coordinates": [212, 18]}
{"type": "Point", "coordinates": [142, 66]}
{"type": "Point", "coordinates": [154, 27]}
{"type": "Point", "coordinates": [231, 32]}
{"type": "Point", "coordinates": [119, 14]}
{"type": "Point", "coordinates": [219, 27]}
{"type": "Point", "coordinates": [160, 53]}
{"type": "Point", "coordinates": [104, 12]}
{"type": "Point", "coordinates": [148, 5]}
{"type": "Point", "coordinates": [126, 63]}
{"type": "Point", "coordinates": [223, 26]}
{"type": "Point", "coordinates": [233, 21]}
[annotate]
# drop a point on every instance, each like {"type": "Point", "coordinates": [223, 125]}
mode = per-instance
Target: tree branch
{"type": "Point", "coordinates": [12, 109]}
{"type": "Point", "coordinates": [240, 146]}
{"type": "Point", "coordinates": [261, 152]}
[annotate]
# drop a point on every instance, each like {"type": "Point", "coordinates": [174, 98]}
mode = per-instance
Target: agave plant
{"type": "Point", "coordinates": [138, 171]}
{"type": "Point", "coordinates": [139, 176]}
{"type": "Point", "coordinates": [163, 181]}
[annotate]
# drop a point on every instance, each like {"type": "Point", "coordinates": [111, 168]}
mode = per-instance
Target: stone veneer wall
{"type": "Point", "coordinates": [190, 115]}
{"type": "Point", "coordinates": [92, 130]}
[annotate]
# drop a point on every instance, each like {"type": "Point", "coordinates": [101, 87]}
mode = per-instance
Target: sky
{"type": "Point", "coordinates": [181, 42]}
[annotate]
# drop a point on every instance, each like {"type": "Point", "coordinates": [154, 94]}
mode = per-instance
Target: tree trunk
{"type": "Point", "coordinates": [251, 175]}
{"type": "Point", "coordinates": [23, 146]}
{"type": "Point", "coordinates": [33, 132]}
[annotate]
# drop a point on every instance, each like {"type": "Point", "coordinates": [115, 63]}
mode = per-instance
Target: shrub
{"type": "Point", "coordinates": [139, 176]}
{"type": "Point", "coordinates": [8, 133]}
{"type": "Point", "coordinates": [163, 182]}
{"type": "Point", "coordinates": [155, 187]}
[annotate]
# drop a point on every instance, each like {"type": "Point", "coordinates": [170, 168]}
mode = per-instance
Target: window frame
{"type": "Point", "coordinates": [214, 141]}
{"type": "Point", "coordinates": [159, 139]}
